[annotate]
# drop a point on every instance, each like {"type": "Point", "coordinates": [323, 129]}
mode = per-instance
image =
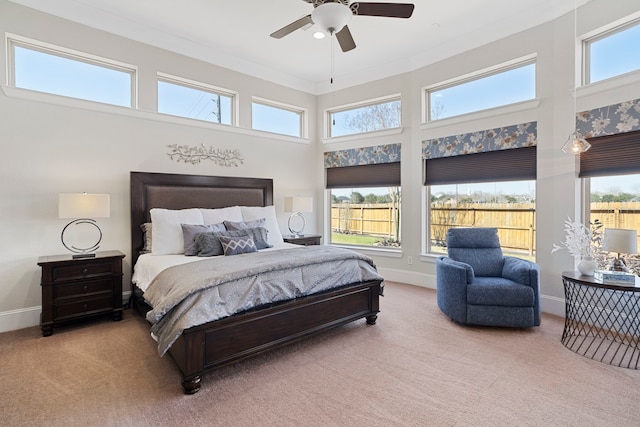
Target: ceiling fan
{"type": "Point", "coordinates": [334, 15]}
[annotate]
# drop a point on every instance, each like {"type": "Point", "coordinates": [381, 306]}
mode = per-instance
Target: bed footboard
{"type": "Point", "coordinates": [230, 340]}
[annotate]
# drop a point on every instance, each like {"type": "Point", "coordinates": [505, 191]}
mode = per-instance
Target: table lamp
{"type": "Point", "coordinates": [83, 207]}
{"type": "Point", "coordinates": [297, 205]}
{"type": "Point", "coordinates": [621, 241]}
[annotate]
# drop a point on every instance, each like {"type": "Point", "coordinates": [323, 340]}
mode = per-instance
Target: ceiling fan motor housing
{"type": "Point", "coordinates": [331, 17]}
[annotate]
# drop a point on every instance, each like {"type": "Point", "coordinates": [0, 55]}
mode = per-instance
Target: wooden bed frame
{"type": "Point", "coordinates": [216, 344]}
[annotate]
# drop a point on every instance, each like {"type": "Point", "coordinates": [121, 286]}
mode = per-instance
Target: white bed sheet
{"type": "Point", "coordinates": [149, 266]}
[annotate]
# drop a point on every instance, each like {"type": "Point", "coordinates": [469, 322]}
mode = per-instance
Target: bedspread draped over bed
{"type": "Point", "coordinates": [192, 294]}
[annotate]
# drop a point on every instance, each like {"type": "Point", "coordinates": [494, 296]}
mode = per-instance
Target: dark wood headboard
{"type": "Point", "coordinates": [176, 191]}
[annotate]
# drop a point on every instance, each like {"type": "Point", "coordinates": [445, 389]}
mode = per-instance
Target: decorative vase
{"type": "Point", "coordinates": [587, 266]}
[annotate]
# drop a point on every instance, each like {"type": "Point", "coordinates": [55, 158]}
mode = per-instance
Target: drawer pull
{"type": "Point", "coordinates": [84, 307]}
{"type": "Point", "coordinates": [85, 270]}
{"type": "Point", "coordinates": [85, 287]}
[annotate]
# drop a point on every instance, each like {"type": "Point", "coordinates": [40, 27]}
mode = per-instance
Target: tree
{"type": "Point", "coordinates": [357, 197]}
{"type": "Point", "coordinates": [374, 117]}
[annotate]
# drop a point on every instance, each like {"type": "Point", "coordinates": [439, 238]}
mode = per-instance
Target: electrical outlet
{"type": "Point", "coordinates": [410, 260]}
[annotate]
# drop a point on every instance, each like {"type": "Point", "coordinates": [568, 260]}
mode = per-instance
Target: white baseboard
{"type": "Point", "coordinates": [549, 304]}
{"type": "Point", "coordinates": [19, 319]}
{"type": "Point", "coordinates": [30, 316]}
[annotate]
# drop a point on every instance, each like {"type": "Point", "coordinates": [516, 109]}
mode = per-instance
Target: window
{"type": "Point", "coordinates": [612, 53]}
{"type": "Point", "coordinates": [488, 189]}
{"type": "Point", "coordinates": [613, 174]}
{"type": "Point", "coordinates": [185, 98]}
{"type": "Point", "coordinates": [510, 206]}
{"type": "Point", "coordinates": [365, 117]}
{"type": "Point", "coordinates": [481, 91]}
{"type": "Point", "coordinates": [366, 216]}
{"type": "Point", "coordinates": [64, 72]}
{"type": "Point", "coordinates": [277, 118]}
{"type": "Point", "coordinates": [365, 204]}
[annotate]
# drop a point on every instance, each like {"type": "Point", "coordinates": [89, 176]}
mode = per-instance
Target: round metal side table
{"type": "Point", "coordinates": [602, 321]}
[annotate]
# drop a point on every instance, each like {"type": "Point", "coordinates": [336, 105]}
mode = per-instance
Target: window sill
{"type": "Point", "coordinates": [48, 98]}
{"type": "Point", "coordinates": [476, 115]}
{"type": "Point", "coordinates": [365, 135]}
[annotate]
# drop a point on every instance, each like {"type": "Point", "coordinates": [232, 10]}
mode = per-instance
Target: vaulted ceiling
{"type": "Point", "coordinates": [235, 34]}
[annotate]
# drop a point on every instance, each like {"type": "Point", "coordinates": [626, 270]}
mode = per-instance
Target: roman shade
{"type": "Point", "coordinates": [504, 165]}
{"type": "Point", "coordinates": [376, 175]}
{"type": "Point", "coordinates": [616, 154]}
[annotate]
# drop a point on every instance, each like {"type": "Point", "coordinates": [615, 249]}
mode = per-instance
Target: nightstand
{"type": "Point", "coordinates": [304, 240]}
{"type": "Point", "coordinates": [78, 288]}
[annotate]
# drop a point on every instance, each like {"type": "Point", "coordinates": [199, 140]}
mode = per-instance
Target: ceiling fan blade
{"type": "Point", "coordinates": [345, 39]}
{"type": "Point", "coordinates": [390, 10]}
{"type": "Point", "coordinates": [295, 25]}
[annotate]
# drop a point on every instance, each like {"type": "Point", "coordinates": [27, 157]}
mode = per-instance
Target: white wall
{"type": "Point", "coordinates": [558, 195]}
{"type": "Point", "coordinates": [51, 145]}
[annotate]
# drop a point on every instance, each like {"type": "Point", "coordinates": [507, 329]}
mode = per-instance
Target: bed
{"type": "Point", "coordinates": [234, 338]}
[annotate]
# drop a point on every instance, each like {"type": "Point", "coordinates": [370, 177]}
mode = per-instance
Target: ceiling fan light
{"type": "Point", "coordinates": [319, 35]}
{"type": "Point", "coordinates": [331, 17]}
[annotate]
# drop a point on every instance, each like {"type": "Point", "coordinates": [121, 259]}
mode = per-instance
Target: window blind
{"type": "Point", "coordinates": [617, 154]}
{"type": "Point", "coordinates": [504, 165]}
{"type": "Point", "coordinates": [373, 175]}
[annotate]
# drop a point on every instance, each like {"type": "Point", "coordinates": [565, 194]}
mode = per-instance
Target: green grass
{"type": "Point", "coordinates": [353, 239]}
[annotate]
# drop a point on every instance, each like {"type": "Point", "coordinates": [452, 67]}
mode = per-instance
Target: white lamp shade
{"type": "Point", "coordinates": [298, 204]}
{"type": "Point", "coordinates": [620, 240]}
{"type": "Point", "coordinates": [83, 205]}
{"type": "Point", "coordinates": [332, 17]}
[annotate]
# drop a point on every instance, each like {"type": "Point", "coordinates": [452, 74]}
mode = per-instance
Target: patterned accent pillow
{"type": "Point", "coordinates": [241, 225]}
{"type": "Point", "coordinates": [191, 231]}
{"type": "Point", "coordinates": [237, 245]}
{"type": "Point", "coordinates": [208, 244]}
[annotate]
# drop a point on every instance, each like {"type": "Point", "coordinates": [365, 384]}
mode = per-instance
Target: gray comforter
{"type": "Point", "coordinates": [199, 292]}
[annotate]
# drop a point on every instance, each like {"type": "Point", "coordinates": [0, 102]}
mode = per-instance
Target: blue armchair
{"type": "Point", "coordinates": [477, 285]}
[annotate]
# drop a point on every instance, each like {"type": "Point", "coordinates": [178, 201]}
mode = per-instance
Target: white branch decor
{"type": "Point", "coordinates": [194, 155]}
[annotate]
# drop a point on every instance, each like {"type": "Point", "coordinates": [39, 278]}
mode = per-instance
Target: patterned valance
{"type": "Point", "coordinates": [505, 138]}
{"type": "Point", "coordinates": [389, 153]}
{"type": "Point", "coordinates": [609, 120]}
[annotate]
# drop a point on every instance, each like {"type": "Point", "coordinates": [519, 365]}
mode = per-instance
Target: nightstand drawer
{"type": "Point", "coordinates": [64, 273]}
{"type": "Point", "coordinates": [86, 306]}
{"type": "Point", "coordinates": [82, 289]}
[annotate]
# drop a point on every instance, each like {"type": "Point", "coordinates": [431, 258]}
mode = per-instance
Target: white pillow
{"type": "Point", "coordinates": [167, 229]}
{"type": "Point", "coordinates": [217, 216]}
{"type": "Point", "coordinates": [252, 213]}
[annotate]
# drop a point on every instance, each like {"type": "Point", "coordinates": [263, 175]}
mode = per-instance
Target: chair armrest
{"type": "Point", "coordinates": [521, 271]}
{"type": "Point", "coordinates": [452, 279]}
{"type": "Point", "coordinates": [456, 268]}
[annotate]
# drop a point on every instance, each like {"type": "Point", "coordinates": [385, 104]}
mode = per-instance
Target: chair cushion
{"type": "Point", "coordinates": [478, 247]}
{"type": "Point", "coordinates": [499, 291]}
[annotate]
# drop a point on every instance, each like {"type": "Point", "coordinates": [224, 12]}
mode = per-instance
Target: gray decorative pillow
{"type": "Point", "coordinates": [146, 236]}
{"type": "Point", "coordinates": [237, 245]}
{"type": "Point", "coordinates": [244, 224]}
{"type": "Point", "coordinates": [190, 231]}
{"type": "Point", "coordinates": [208, 244]}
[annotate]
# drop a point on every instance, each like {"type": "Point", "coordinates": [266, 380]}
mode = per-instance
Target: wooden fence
{"type": "Point", "coordinates": [517, 232]}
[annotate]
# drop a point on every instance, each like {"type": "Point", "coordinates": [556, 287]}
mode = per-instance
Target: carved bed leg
{"type": "Point", "coordinates": [371, 320]}
{"type": "Point", "coordinates": [191, 386]}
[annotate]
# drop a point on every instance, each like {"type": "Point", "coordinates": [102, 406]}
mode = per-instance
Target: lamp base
{"type": "Point", "coordinates": [87, 255]}
{"type": "Point", "coordinates": [297, 232]}
{"type": "Point", "coordinates": [618, 264]}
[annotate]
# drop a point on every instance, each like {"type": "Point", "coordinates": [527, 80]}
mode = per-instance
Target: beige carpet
{"type": "Point", "coordinates": [414, 368]}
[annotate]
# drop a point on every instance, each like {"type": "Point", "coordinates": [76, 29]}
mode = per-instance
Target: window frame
{"type": "Point", "coordinates": [474, 76]}
{"type": "Point", "coordinates": [302, 112]}
{"type": "Point", "coordinates": [13, 40]}
{"type": "Point", "coordinates": [356, 105]}
{"type": "Point", "coordinates": [601, 35]}
{"type": "Point", "coordinates": [205, 87]}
